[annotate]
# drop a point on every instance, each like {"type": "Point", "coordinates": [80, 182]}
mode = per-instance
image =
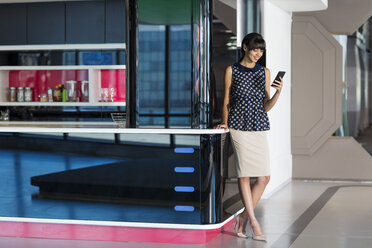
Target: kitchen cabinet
{"type": "Point", "coordinates": [46, 23]}
{"type": "Point", "coordinates": [75, 22]}
{"type": "Point", "coordinates": [85, 22]}
{"type": "Point", "coordinates": [13, 28]}
{"type": "Point", "coordinates": [115, 21]}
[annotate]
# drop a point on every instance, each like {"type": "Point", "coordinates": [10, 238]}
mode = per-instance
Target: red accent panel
{"type": "Point", "coordinates": [107, 233]}
{"type": "Point", "coordinates": [114, 79]}
{"type": "Point", "coordinates": [41, 80]}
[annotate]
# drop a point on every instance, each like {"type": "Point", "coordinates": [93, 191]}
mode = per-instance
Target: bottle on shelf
{"type": "Point", "coordinates": [58, 93]}
{"type": "Point", "coordinates": [64, 95]}
{"type": "Point", "coordinates": [50, 94]}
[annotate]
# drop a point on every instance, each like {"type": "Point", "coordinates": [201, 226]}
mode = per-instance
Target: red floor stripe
{"type": "Point", "coordinates": [108, 233]}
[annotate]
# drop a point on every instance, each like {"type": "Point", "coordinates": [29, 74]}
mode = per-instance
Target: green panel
{"type": "Point", "coordinates": [166, 12]}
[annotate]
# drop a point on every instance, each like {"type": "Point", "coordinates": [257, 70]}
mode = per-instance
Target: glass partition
{"type": "Point", "coordinates": [173, 53]}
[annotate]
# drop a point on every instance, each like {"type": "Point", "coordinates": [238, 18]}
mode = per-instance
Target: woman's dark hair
{"type": "Point", "coordinates": [253, 41]}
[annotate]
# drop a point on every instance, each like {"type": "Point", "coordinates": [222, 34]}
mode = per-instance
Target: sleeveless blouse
{"type": "Point", "coordinates": [246, 99]}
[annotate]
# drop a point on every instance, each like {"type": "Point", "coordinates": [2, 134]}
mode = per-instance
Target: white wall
{"type": "Point", "coordinates": [277, 34]}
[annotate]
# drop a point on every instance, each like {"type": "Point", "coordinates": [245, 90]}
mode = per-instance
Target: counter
{"type": "Point", "coordinates": [99, 127]}
{"type": "Point", "coordinates": [182, 176]}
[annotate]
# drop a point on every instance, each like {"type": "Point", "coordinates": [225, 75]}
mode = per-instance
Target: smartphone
{"type": "Point", "coordinates": [278, 76]}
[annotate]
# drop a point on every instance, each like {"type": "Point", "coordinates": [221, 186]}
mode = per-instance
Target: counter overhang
{"type": "Point", "coordinates": [11, 127]}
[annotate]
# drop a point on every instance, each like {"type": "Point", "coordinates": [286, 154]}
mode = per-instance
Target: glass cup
{"type": "Point", "coordinates": [112, 94]}
{"type": "Point", "coordinates": [104, 94]}
{"type": "Point", "coordinates": [85, 91]}
{"type": "Point", "coordinates": [71, 88]}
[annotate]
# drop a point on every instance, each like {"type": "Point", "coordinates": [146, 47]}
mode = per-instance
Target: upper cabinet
{"type": "Point", "coordinates": [13, 24]}
{"type": "Point", "coordinates": [46, 23]}
{"type": "Point", "coordinates": [115, 21]}
{"type": "Point", "coordinates": [64, 22]}
{"type": "Point", "coordinates": [85, 22]}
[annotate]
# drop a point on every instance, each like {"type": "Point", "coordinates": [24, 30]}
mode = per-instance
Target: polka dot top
{"type": "Point", "coordinates": [246, 99]}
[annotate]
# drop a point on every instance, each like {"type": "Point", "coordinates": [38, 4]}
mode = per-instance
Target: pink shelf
{"type": "Point", "coordinates": [114, 78]}
{"type": "Point", "coordinates": [41, 80]}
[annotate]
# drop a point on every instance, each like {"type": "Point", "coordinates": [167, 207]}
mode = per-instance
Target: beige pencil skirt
{"type": "Point", "coordinates": [251, 152]}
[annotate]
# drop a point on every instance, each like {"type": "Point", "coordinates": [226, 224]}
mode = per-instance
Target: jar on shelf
{"type": "Point", "coordinates": [28, 94]}
{"type": "Point", "coordinates": [12, 94]}
{"type": "Point", "coordinates": [20, 94]}
{"type": "Point", "coordinates": [43, 97]}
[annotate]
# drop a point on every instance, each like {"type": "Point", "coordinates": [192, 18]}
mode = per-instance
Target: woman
{"type": "Point", "coordinates": [246, 103]}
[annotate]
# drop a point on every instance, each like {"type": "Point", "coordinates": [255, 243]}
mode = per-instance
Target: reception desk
{"type": "Point", "coordinates": [164, 178]}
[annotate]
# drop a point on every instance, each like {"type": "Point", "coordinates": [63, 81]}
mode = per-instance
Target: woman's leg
{"type": "Point", "coordinates": [246, 196]}
{"type": "Point", "coordinates": [258, 188]}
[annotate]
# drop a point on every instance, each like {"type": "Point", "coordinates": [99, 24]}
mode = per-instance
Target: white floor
{"type": "Point", "coordinates": [303, 214]}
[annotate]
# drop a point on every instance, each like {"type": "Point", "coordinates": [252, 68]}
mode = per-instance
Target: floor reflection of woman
{"type": "Point", "coordinates": [246, 103]}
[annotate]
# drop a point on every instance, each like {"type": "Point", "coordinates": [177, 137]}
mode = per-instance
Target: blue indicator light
{"type": "Point", "coordinates": [184, 169]}
{"type": "Point", "coordinates": [184, 150]}
{"type": "Point", "coordinates": [184, 208]}
{"type": "Point", "coordinates": [184, 189]}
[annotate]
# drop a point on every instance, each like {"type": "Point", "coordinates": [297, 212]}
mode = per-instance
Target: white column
{"type": "Point", "coordinates": [276, 24]}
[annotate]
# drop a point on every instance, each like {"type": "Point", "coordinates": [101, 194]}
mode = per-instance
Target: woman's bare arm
{"type": "Point", "coordinates": [270, 102]}
{"type": "Point", "coordinates": [226, 99]}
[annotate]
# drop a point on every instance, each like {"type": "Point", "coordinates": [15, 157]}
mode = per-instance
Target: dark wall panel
{"type": "Point", "coordinates": [98, 21]}
{"type": "Point", "coordinates": [13, 24]}
{"type": "Point", "coordinates": [85, 22]}
{"type": "Point", "coordinates": [115, 21]}
{"type": "Point", "coordinates": [46, 23]}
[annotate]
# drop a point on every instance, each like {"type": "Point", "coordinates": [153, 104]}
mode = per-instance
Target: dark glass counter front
{"type": "Point", "coordinates": [145, 177]}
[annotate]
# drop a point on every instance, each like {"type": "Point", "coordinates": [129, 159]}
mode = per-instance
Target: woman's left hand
{"type": "Point", "coordinates": [278, 84]}
{"type": "Point", "coordinates": [222, 126]}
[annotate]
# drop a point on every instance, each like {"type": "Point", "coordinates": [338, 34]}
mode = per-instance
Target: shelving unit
{"type": "Point", "coordinates": [94, 76]}
{"type": "Point", "coordinates": [56, 104]}
{"type": "Point", "coordinates": [98, 76]}
{"type": "Point", "coordinates": [62, 67]}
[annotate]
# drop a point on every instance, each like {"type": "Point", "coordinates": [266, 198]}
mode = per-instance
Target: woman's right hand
{"type": "Point", "coordinates": [222, 125]}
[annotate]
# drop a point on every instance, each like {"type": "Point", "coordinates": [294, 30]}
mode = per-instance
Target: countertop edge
{"type": "Point", "coordinates": [28, 129]}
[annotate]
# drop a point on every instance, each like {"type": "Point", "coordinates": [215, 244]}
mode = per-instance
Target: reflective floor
{"type": "Point", "coordinates": [302, 214]}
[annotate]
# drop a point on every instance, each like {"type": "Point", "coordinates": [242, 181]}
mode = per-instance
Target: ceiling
{"type": "Point", "coordinates": [290, 5]}
{"type": "Point", "coordinates": [337, 16]}
{"type": "Point", "coordinates": [343, 16]}
{"type": "Point", "coordinates": [301, 5]}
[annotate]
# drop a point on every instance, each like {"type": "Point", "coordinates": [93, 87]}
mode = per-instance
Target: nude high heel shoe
{"type": "Point", "coordinates": [236, 227]}
{"type": "Point", "coordinates": [256, 237]}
